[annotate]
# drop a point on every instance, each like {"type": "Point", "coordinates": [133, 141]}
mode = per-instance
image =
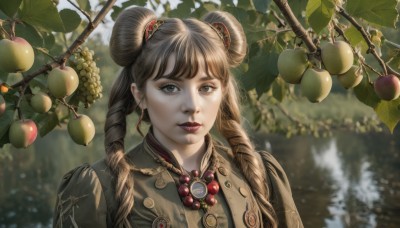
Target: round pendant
{"type": "Point", "coordinates": [198, 189]}
{"type": "Point", "coordinates": [210, 220]}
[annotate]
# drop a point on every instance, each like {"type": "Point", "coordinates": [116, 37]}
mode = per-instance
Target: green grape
{"type": "Point", "coordinates": [90, 88]}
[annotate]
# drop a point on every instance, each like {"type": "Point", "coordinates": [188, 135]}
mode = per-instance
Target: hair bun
{"type": "Point", "coordinates": [238, 46]}
{"type": "Point", "coordinates": [127, 35]}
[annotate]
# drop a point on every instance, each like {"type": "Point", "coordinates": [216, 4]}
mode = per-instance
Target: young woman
{"type": "Point", "coordinates": [176, 76]}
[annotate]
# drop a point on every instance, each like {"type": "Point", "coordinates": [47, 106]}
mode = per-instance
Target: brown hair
{"type": "Point", "coordinates": [193, 43]}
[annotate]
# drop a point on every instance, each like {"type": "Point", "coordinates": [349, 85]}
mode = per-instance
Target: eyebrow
{"type": "Point", "coordinates": [203, 78]}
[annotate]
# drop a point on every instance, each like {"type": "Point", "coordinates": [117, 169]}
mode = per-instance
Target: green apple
{"type": "Point", "coordinates": [2, 105]}
{"type": "Point", "coordinates": [337, 57]}
{"type": "Point", "coordinates": [41, 102]}
{"type": "Point", "coordinates": [22, 133]}
{"type": "Point", "coordinates": [16, 55]}
{"type": "Point", "coordinates": [62, 81]}
{"type": "Point", "coordinates": [387, 87]}
{"type": "Point", "coordinates": [291, 64]}
{"type": "Point", "coordinates": [351, 78]}
{"type": "Point", "coordinates": [316, 84]}
{"type": "Point", "coordinates": [81, 129]}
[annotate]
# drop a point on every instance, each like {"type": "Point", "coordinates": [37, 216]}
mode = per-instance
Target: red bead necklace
{"type": "Point", "coordinates": [196, 191]}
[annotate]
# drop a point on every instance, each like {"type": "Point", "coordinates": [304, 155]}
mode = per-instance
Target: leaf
{"type": "Point", "coordinates": [262, 72]}
{"type": "Point", "coordinates": [41, 13]}
{"type": "Point", "coordinates": [244, 4]}
{"type": "Point", "coordinates": [319, 13]}
{"type": "Point", "coordinates": [29, 33]}
{"type": "Point", "coordinates": [183, 9]}
{"type": "Point", "coordinates": [84, 5]}
{"type": "Point", "coordinates": [10, 7]}
{"type": "Point", "coordinates": [5, 121]}
{"type": "Point", "coordinates": [381, 12]}
{"type": "Point", "coordinates": [261, 5]}
{"type": "Point", "coordinates": [389, 113]}
{"type": "Point", "coordinates": [356, 39]}
{"type": "Point", "coordinates": [366, 94]}
{"type": "Point", "coordinates": [71, 19]}
{"type": "Point", "coordinates": [278, 89]}
{"type": "Point", "coordinates": [46, 123]}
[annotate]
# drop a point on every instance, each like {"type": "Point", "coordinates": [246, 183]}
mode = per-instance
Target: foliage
{"type": "Point", "coordinates": [366, 24]}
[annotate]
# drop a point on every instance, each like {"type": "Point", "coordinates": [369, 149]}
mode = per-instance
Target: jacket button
{"type": "Point", "coordinates": [161, 222]}
{"type": "Point", "coordinates": [228, 184]}
{"type": "Point", "coordinates": [222, 171]}
{"type": "Point", "coordinates": [160, 182]}
{"type": "Point", "coordinates": [243, 192]}
{"type": "Point", "coordinates": [148, 202]}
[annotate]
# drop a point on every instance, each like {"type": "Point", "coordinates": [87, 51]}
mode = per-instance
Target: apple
{"type": "Point", "coordinates": [16, 55]}
{"type": "Point", "coordinates": [81, 129]}
{"type": "Point", "coordinates": [387, 87]}
{"type": "Point", "coordinates": [316, 84]}
{"type": "Point", "coordinates": [351, 78]}
{"type": "Point", "coordinates": [291, 64]}
{"type": "Point", "coordinates": [4, 88]}
{"type": "Point", "coordinates": [22, 133]}
{"type": "Point", "coordinates": [337, 57]}
{"type": "Point", "coordinates": [41, 102]}
{"type": "Point", "coordinates": [2, 105]}
{"type": "Point", "coordinates": [62, 81]}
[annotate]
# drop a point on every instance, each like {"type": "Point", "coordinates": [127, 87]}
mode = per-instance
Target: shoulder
{"type": "Point", "coordinates": [79, 197]}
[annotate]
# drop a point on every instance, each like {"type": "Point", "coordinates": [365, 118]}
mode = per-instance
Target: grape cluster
{"type": "Point", "coordinates": [89, 89]}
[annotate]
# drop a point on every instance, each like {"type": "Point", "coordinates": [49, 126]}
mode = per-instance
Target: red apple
{"type": "Point", "coordinates": [81, 129]}
{"type": "Point", "coordinates": [2, 105]}
{"type": "Point", "coordinates": [62, 81]}
{"type": "Point", "coordinates": [387, 87]}
{"type": "Point", "coordinates": [337, 57]}
{"type": "Point", "coordinates": [16, 55]}
{"type": "Point", "coordinates": [22, 133]}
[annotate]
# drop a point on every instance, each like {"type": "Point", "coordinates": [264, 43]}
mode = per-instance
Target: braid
{"type": "Point", "coordinates": [120, 105]}
{"type": "Point", "coordinates": [228, 123]}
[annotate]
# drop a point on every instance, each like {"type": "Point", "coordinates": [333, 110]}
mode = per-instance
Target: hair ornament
{"type": "Point", "coordinates": [222, 32]}
{"type": "Point", "coordinates": [151, 28]}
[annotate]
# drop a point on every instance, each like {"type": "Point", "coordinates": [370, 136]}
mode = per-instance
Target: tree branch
{"type": "Point", "coordinates": [297, 28]}
{"type": "Point", "coordinates": [78, 42]}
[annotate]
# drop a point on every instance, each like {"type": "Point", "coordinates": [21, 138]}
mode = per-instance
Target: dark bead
{"type": "Point", "coordinates": [210, 200]}
{"type": "Point", "coordinates": [188, 201]}
{"type": "Point", "coordinates": [184, 179]}
{"type": "Point", "coordinates": [183, 190]}
{"type": "Point", "coordinates": [196, 205]}
{"type": "Point", "coordinates": [195, 173]}
{"type": "Point", "coordinates": [208, 176]}
{"type": "Point", "coordinates": [213, 187]}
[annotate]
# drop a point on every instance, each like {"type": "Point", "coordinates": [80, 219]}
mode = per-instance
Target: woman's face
{"type": "Point", "coordinates": [181, 111]}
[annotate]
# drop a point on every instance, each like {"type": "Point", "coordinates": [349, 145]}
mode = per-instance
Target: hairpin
{"type": "Point", "coordinates": [151, 28]}
{"type": "Point", "coordinates": [222, 32]}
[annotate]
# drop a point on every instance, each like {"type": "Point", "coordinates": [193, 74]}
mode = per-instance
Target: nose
{"type": "Point", "coordinates": [191, 102]}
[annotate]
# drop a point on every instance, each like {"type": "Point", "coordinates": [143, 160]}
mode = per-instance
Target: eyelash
{"type": "Point", "coordinates": [164, 87]}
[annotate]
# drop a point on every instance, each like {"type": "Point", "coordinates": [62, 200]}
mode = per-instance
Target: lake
{"type": "Point", "coordinates": [347, 180]}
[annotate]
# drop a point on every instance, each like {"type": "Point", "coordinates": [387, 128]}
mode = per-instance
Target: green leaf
{"type": "Point", "coordinates": [355, 38]}
{"type": "Point", "coordinates": [10, 7]}
{"type": "Point", "coordinates": [366, 94]}
{"type": "Point", "coordinates": [183, 9]}
{"type": "Point", "coordinates": [41, 13]}
{"type": "Point", "coordinates": [261, 5]}
{"type": "Point", "coordinates": [245, 4]}
{"type": "Point", "coordinates": [29, 33]}
{"type": "Point", "coordinates": [262, 72]}
{"type": "Point", "coordinates": [278, 89]}
{"type": "Point", "coordinates": [46, 123]}
{"type": "Point", "coordinates": [5, 122]}
{"type": "Point", "coordinates": [381, 12]}
{"type": "Point", "coordinates": [84, 5]}
{"type": "Point", "coordinates": [71, 19]}
{"type": "Point", "coordinates": [389, 113]}
{"type": "Point", "coordinates": [319, 13]}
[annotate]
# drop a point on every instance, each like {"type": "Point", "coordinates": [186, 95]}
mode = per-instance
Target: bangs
{"type": "Point", "coordinates": [192, 53]}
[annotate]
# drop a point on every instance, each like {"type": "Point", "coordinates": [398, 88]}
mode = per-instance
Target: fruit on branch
{"type": "Point", "coordinates": [81, 129]}
{"type": "Point", "coordinates": [3, 88]}
{"type": "Point", "coordinates": [351, 78]}
{"type": "Point", "coordinates": [41, 102]}
{"type": "Point", "coordinates": [291, 64]}
{"type": "Point", "coordinates": [62, 81]}
{"type": "Point", "coordinates": [316, 84]}
{"type": "Point", "coordinates": [16, 55]}
{"type": "Point", "coordinates": [2, 105]}
{"type": "Point", "coordinates": [337, 57]}
{"type": "Point", "coordinates": [387, 87]}
{"type": "Point", "coordinates": [90, 88]}
{"type": "Point", "coordinates": [22, 133]}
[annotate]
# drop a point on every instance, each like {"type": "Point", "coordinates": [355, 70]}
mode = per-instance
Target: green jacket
{"type": "Point", "coordinates": [85, 196]}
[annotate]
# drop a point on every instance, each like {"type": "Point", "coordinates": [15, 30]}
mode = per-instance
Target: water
{"type": "Point", "coordinates": [347, 180]}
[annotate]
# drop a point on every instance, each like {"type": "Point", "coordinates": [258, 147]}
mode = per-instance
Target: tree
{"type": "Point", "coordinates": [271, 28]}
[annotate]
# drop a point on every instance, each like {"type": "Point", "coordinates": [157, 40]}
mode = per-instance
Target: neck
{"type": "Point", "coordinates": [189, 156]}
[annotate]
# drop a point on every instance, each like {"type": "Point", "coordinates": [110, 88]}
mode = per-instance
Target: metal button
{"type": "Point", "coordinates": [243, 192]}
{"type": "Point", "coordinates": [250, 219]}
{"type": "Point", "coordinates": [210, 220]}
{"type": "Point", "coordinates": [228, 184]}
{"type": "Point", "coordinates": [161, 222]}
{"type": "Point", "coordinates": [148, 202]}
{"type": "Point", "coordinates": [222, 171]}
{"type": "Point", "coordinates": [160, 182]}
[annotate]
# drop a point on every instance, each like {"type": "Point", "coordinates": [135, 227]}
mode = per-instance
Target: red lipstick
{"type": "Point", "coordinates": [190, 127]}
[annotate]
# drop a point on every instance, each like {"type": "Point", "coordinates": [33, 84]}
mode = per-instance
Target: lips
{"type": "Point", "coordinates": [190, 127]}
